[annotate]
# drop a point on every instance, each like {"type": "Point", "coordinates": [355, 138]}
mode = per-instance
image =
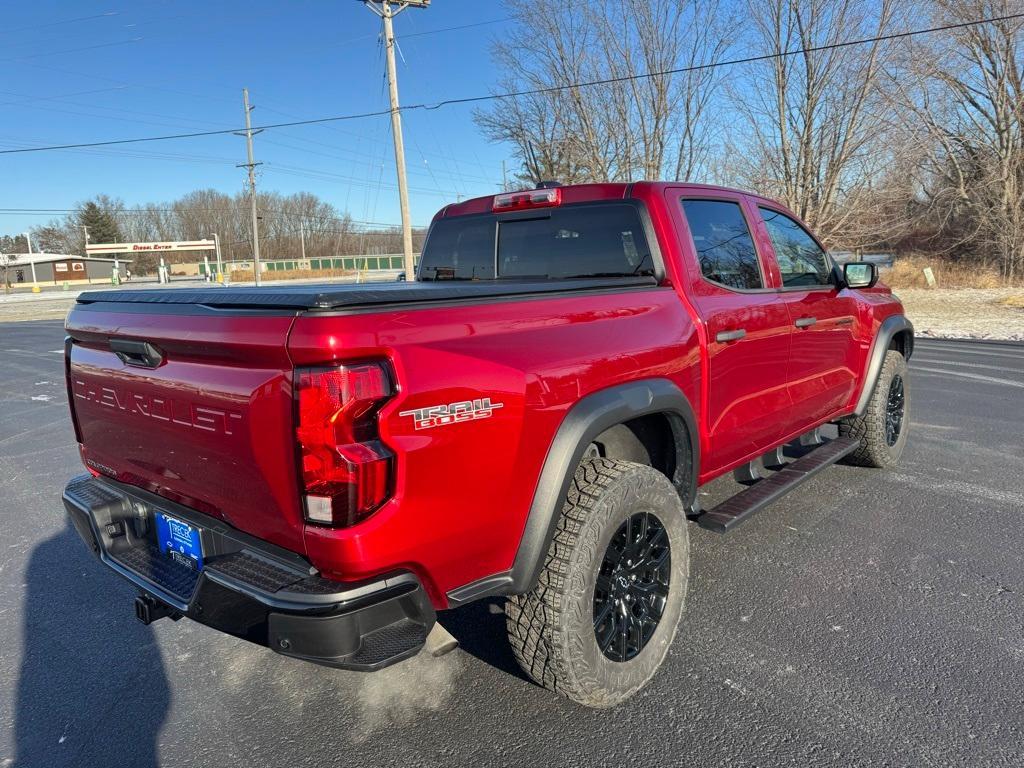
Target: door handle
{"type": "Point", "coordinates": [726, 336]}
{"type": "Point", "coordinates": [805, 322]}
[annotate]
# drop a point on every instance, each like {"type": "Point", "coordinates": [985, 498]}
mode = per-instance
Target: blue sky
{"type": "Point", "coordinates": [90, 71]}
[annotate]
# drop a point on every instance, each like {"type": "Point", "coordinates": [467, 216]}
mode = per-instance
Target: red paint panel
{"type": "Point", "coordinates": [463, 490]}
{"type": "Point", "coordinates": [210, 428]}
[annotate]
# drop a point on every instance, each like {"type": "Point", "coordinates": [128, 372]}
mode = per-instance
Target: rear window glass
{"type": "Point", "coordinates": [576, 241]}
{"type": "Point", "coordinates": [459, 249]}
{"type": "Point", "coordinates": [723, 243]}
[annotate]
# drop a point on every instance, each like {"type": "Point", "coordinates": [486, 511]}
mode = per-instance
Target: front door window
{"type": "Point", "coordinates": [802, 261]}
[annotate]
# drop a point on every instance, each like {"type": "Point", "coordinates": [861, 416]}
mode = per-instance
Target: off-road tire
{"type": "Point", "coordinates": [551, 628]}
{"type": "Point", "coordinates": [870, 428]}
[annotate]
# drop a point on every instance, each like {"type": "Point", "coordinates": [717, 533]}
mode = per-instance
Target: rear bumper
{"type": "Point", "coordinates": [249, 588]}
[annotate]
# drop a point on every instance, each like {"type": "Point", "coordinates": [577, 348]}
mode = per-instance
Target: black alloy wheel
{"type": "Point", "coordinates": [632, 587]}
{"type": "Point", "coordinates": [894, 409]}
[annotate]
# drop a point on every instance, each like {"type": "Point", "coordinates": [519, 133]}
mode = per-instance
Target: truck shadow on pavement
{"type": "Point", "coordinates": [480, 629]}
{"type": "Point", "coordinates": [92, 688]}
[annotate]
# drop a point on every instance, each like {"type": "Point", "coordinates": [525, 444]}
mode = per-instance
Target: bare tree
{"type": "Point", "coordinates": [288, 222]}
{"type": "Point", "coordinates": [59, 236]}
{"type": "Point", "coordinates": [641, 121]}
{"type": "Point", "coordinates": [814, 128]}
{"type": "Point", "coordinates": [963, 108]}
{"type": "Point", "coordinates": [6, 263]}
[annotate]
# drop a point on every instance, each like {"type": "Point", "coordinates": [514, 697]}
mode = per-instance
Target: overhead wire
{"type": "Point", "coordinates": [530, 91]}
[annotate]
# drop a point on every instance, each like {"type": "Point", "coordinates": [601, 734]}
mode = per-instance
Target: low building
{"type": "Point", "coordinates": [57, 268]}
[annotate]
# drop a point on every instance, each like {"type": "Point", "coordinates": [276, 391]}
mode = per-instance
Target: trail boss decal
{"type": "Point", "coordinates": [453, 413]}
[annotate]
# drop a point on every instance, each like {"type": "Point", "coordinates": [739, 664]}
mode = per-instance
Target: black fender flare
{"type": "Point", "coordinates": [585, 421]}
{"type": "Point", "coordinates": [891, 326]}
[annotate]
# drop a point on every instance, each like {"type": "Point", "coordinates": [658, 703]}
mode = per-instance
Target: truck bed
{"type": "Point", "coordinates": [357, 295]}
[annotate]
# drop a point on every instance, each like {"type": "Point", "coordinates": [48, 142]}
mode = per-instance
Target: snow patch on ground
{"type": "Point", "coordinates": [964, 313]}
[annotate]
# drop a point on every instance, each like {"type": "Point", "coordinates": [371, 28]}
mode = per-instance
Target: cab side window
{"type": "Point", "coordinates": [802, 262]}
{"type": "Point", "coordinates": [723, 243]}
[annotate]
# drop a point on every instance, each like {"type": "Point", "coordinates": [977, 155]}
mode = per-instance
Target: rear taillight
{"type": "Point", "coordinates": [68, 344]}
{"type": "Point", "coordinates": [532, 198]}
{"type": "Point", "coordinates": [345, 469]}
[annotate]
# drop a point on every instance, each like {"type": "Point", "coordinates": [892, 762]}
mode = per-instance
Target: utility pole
{"type": "Point", "coordinates": [249, 133]}
{"type": "Point", "coordinates": [85, 229]}
{"type": "Point", "coordinates": [31, 258]}
{"type": "Point", "coordinates": [220, 264]}
{"type": "Point", "coordinates": [302, 239]}
{"type": "Point", "coordinates": [383, 8]}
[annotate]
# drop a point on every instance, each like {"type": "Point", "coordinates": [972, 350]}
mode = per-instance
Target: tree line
{"type": "Point", "coordinates": [287, 222]}
{"type": "Point", "coordinates": [877, 139]}
{"type": "Point", "coordinates": [901, 143]}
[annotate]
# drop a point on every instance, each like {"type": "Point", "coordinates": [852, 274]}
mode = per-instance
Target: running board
{"type": "Point", "coordinates": [738, 508]}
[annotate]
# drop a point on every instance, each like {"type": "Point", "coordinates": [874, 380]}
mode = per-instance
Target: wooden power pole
{"type": "Point", "coordinates": [387, 10]}
{"type": "Point", "coordinates": [251, 165]}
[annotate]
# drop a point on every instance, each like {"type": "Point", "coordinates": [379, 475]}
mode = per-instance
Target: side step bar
{"type": "Point", "coordinates": [738, 508]}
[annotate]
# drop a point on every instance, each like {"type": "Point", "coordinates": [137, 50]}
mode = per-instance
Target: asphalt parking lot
{"type": "Point", "coordinates": [871, 618]}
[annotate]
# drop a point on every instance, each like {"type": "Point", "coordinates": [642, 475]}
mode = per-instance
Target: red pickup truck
{"type": "Point", "coordinates": [320, 469]}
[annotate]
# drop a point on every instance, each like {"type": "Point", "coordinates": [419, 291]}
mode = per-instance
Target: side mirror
{"type": "Point", "coordinates": [859, 274]}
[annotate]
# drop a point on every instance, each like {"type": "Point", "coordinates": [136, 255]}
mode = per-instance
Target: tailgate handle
{"type": "Point", "coordinates": [141, 354]}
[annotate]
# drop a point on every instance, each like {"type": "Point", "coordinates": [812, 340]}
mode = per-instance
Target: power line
{"type": "Point", "coordinates": [28, 99]}
{"type": "Point", "coordinates": [74, 50]}
{"type": "Point", "coordinates": [264, 212]}
{"type": "Point", "coordinates": [58, 23]}
{"type": "Point", "coordinates": [205, 80]}
{"type": "Point", "coordinates": [452, 29]}
{"type": "Point", "coordinates": [531, 91]}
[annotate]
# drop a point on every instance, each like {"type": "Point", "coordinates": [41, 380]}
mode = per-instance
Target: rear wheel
{"type": "Point", "coordinates": [604, 612]}
{"type": "Point", "coordinates": [882, 429]}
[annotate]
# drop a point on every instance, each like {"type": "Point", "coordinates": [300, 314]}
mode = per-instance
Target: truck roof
{"type": "Point", "coordinates": [583, 193]}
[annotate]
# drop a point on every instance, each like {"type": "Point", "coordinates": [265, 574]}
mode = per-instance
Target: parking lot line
{"type": "Point", "coordinates": [975, 376]}
{"type": "Point", "coordinates": [961, 364]}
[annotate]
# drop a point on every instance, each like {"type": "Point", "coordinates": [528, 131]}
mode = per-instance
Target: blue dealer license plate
{"type": "Point", "coordinates": [179, 541]}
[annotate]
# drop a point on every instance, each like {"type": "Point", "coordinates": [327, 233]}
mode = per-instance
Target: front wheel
{"type": "Point", "coordinates": [600, 620]}
{"type": "Point", "coordinates": [882, 429]}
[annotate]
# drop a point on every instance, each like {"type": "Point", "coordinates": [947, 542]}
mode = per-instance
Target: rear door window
{"type": "Point", "coordinates": [801, 260]}
{"type": "Point", "coordinates": [599, 240]}
{"type": "Point", "coordinates": [722, 241]}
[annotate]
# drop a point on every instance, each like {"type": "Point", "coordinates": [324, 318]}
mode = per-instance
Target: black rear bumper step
{"type": "Point", "coordinates": [248, 588]}
{"type": "Point", "coordinates": [738, 508]}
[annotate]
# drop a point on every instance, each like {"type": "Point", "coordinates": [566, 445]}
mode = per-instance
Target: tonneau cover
{"type": "Point", "coordinates": [328, 296]}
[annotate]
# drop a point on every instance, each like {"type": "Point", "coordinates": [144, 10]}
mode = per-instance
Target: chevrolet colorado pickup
{"type": "Point", "coordinates": [321, 469]}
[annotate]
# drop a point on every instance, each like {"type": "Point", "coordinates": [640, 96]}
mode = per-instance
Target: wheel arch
{"type": "Point", "coordinates": [585, 421]}
{"type": "Point", "coordinates": [590, 417]}
{"type": "Point", "coordinates": [896, 332]}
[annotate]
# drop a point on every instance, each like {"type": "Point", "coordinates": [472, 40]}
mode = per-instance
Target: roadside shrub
{"type": "Point", "coordinates": [246, 275]}
{"type": "Point", "coordinates": [908, 272]}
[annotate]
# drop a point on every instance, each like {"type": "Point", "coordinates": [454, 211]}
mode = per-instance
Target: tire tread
{"type": "Point", "coordinates": [535, 620]}
{"type": "Point", "coordinates": [869, 428]}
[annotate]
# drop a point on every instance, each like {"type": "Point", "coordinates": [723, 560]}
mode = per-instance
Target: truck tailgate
{"type": "Point", "coordinates": [202, 416]}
